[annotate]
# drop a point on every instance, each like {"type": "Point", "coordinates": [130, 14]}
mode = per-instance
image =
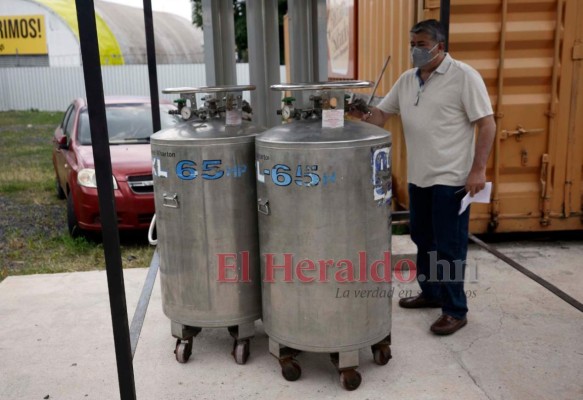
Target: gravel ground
{"type": "Point", "coordinates": [31, 219]}
{"type": "Point", "coordinates": [22, 222]}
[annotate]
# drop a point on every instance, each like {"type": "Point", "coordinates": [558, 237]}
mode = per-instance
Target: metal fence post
{"type": "Point", "coordinates": [102, 157]}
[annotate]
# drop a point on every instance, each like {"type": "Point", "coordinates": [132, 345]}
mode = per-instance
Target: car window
{"type": "Point", "coordinates": [66, 116]}
{"type": "Point", "coordinates": [69, 124]}
{"type": "Point", "coordinates": [127, 123]}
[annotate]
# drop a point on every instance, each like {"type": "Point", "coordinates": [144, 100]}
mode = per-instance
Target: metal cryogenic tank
{"type": "Point", "coordinates": [206, 219]}
{"type": "Point", "coordinates": [324, 190]}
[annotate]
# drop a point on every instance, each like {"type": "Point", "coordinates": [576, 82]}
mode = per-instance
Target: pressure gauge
{"type": "Point", "coordinates": [286, 112]}
{"type": "Point", "coordinates": [186, 113]}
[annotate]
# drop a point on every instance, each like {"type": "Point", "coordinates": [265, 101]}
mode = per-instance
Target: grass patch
{"type": "Point", "coordinates": [26, 118]}
{"type": "Point", "coordinates": [26, 143]}
{"type": "Point", "coordinates": [33, 230]}
{"type": "Point", "coordinates": [62, 253]}
{"type": "Point", "coordinates": [9, 187]}
{"type": "Point", "coordinates": [21, 178]}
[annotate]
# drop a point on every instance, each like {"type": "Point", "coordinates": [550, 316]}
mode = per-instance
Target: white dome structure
{"type": "Point", "coordinates": [45, 33]}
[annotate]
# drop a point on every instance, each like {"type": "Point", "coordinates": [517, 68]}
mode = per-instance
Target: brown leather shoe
{"type": "Point", "coordinates": [446, 325]}
{"type": "Point", "coordinates": [418, 302]}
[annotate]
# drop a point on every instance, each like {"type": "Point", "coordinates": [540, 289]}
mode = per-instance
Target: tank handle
{"type": "Point", "coordinates": [330, 85]}
{"type": "Point", "coordinates": [209, 89]}
{"type": "Point", "coordinates": [263, 206]}
{"type": "Point", "coordinates": [170, 200]}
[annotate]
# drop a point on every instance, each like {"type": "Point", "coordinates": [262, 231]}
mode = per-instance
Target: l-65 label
{"type": "Point", "coordinates": [306, 175]}
{"type": "Point", "coordinates": [189, 170]}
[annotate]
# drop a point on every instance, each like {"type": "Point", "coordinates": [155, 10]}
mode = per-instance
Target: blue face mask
{"type": "Point", "coordinates": [420, 56]}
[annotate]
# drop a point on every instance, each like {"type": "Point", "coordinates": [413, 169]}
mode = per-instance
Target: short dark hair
{"type": "Point", "coordinates": [432, 27]}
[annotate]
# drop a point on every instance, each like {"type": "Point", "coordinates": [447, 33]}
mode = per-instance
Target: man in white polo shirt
{"type": "Point", "coordinates": [441, 102]}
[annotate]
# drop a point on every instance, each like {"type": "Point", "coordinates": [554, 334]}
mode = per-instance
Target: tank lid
{"type": "Point", "coordinates": [211, 130]}
{"type": "Point", "coordinates": [311, 132]}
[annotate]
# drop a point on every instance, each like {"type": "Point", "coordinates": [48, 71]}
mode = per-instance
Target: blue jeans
{"type": "Point", "coordinates": [441, 236]}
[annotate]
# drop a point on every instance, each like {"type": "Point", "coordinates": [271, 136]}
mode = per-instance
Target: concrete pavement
{"type": "Point", "coordinates": [521, 342]}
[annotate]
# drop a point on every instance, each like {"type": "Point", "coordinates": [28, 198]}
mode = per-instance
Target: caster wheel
{"type": "Point", "coordinates": [334, 358]}
{"type": "Point", "coordinates": [350, 379]}
{"type": "Point", "coordinates": [183, 350]}
{"type": "Point", "coordinates": [382, 354]}
{"type": "Point", "coordinates": [290, 369]}
{"type": "Point", "coordinates": [241, 351]}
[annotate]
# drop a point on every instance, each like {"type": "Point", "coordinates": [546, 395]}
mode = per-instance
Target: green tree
{"type": "Point", "coordinates": [240, 13]}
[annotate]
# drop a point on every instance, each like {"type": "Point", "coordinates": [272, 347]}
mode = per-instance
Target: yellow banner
{"type": "Point", "coordinates": [23, 34]}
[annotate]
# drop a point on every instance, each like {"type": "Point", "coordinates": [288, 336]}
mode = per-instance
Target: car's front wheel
{"type": "Point", "coordinates": [72, 223]}
{"type": "Point", "coordinates": [59, 190]}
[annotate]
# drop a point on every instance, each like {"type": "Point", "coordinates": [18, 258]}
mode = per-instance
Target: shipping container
{"type": "Point", "coordinates": [529, 53]}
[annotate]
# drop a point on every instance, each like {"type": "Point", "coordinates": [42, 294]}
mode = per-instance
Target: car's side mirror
{"type": "Point", "coordinates": [63, 144]}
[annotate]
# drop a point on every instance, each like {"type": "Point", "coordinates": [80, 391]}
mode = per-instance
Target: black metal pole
{"type": "Point", "coordinates": [544, 283]}
{"type": "Point", "coordinates": [444, 11]}
{"type": "Point", "coordinates": [102, 157]}
{"type": "Point", "coordinates": [152, 71]}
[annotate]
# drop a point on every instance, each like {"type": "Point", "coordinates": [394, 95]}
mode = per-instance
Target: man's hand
{"type": "Point", "coordinates": [375, 117]}
{"type": "Point", "coordinates": [356, 113]}
{"type": "Point", "coordinates": [358, 109]}
{"type": "Point", "coordinates": [476, 181]}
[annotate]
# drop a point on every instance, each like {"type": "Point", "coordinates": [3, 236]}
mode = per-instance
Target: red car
{"type": "Point", "coordinates": [129, 124]}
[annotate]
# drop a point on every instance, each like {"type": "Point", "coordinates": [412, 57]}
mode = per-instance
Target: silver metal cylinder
{"type": "Point", "coordinates": [204, 187]}
{"type": "Point", "coordinates": [325, 231]}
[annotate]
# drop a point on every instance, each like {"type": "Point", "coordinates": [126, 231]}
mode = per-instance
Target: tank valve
{"type": "Point", "coordinates": [183, 110]}
{"type": "Point", "coordinates": [288, 111]}
{"type": "Point", "coordinates": [328, 101]}
{"type": "Point", "coordinates": [179, 103]}
{"type": "Point", "coordinates": [218, 102]}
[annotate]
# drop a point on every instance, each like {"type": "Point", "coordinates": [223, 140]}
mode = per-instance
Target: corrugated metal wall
{"type": "Point", "coordinates": [383, 29]}
{"type": "Point", "coordinates": [24, 61]}
{"type": "Point", "coordinates": [529, 53]}
{"type": "Point", "coordinates": [53, 89]}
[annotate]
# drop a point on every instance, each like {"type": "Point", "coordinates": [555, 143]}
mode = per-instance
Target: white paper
{"type": "Point", "coordinates": [483, 196]}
